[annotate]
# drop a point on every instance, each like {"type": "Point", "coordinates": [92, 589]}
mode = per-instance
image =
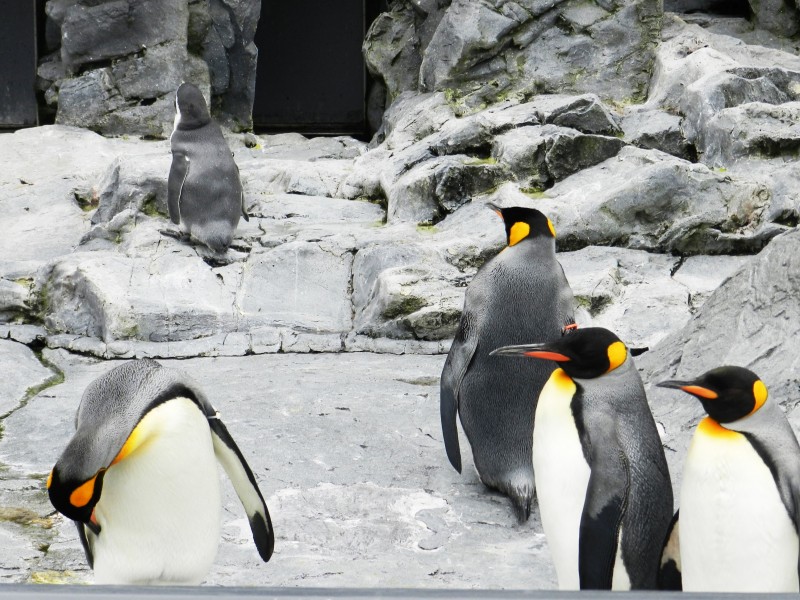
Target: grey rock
{"type": "Point", "coordinates": [779, 16]}
{"type": "Point", "coordinates": [691, 54]}
{"type": "Point", "coordinates": [656, 202]}
{"type": "Point", "coordinates": [111, 296]}
{"type": "Point", "coordinates": [439, 186]}
{"type": "Point", "coordinates": [137, 183]}
{"type": "Point", "coordinates": [540, 155]}
{"type": "Point", "coordinates": [658, 130]}
{"type": "Point", "coordinates": [14, 296]}
{"type": "Point", "coordinates": [318, 178]}
{"type": "Point", "coordinates": [416, 299]}
{"type": "Point", "coordinates": [392, 40]}
{"type": "Point", "coordinates": [708, 97]}
{"type": "Point", "coordinates": [300, 285]}
{"type": "Point", "coordinates": [585, 113]}
{"type": "Point", "coordinates": [293, 146]}
{"type": "Point", "coordinates": [23, 374]}
{"type": "Point", "coordinates": [93, 31]}
{"type": "Point", "coordinates": [756, 129]}
{"type": "Point", "coordinates": [483, 51]}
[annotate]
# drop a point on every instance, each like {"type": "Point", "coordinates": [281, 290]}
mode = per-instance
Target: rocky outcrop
{"type": "Point", "coordinates": [480, 52]}
{"type": "Point", "coordinates": [116, 64]}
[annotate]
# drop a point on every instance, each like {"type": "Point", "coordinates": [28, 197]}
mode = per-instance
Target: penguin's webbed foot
{"type": "Point", "coordinates": [181, 236]}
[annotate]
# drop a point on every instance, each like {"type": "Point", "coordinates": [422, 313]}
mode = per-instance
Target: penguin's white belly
{"type": "Point", "coordinates": [736, 534]}
{"type": "Point", "coordinates": [159, 509]}
{"type": "Point", "coordinates": [562, 476]}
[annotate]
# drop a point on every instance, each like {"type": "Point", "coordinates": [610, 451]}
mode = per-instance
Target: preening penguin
{"type": "Point", "coordinates": [601, 476]}
{"type": "Point", "coordinates": [740, 494]}
{"type": "Point", "coordinates": [520, 295]}
{"type": "Point", "coordinates": [204, 192]}
{"type": "Point", "coordinates": [140, 480]}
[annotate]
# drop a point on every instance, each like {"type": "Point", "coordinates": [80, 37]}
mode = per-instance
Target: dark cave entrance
{"type": "Point", "coordinates": [311, 76]}
{"type": "Point", "coordinates": [722, 8]}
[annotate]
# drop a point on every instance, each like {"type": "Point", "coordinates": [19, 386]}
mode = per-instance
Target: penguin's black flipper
{"type": "Point", "coordinates": [244, 482]}
{"type": "Point", "coordinates": [458, 359]}
{"type": "Point", "coordinates": [177, 175]}
{"type": "Point", "coordinates": [606, 499]}
{"type": "Point", "coordinates": [87, 550]}
{"type": "Point", "coordinates": [669, 572]}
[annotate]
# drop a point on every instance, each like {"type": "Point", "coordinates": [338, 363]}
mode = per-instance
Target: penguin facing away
{"type": "Point", "coordinates": [740, 495]}
{"type": "Point", "coordinates": [520, 295]}
{"type": "Point", "coordinates": [602, 482]}
{"type": "Point", "coordinates": [140, 479]}
{"type": "Point", "coordinates": [204, 192]}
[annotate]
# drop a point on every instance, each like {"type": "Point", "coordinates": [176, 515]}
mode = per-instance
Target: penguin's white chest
{"type": "Point", "coordinates": [562, 475]}
{"type": "Point", "coordinates": [159, 510]}
{"type": "Point", "coordinates": [735, 532]}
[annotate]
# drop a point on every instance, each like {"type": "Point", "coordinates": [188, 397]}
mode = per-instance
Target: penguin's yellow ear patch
{"type": "Point", "coordinates": [519, 231]}
{"type": "Point", "coordinates": [50, 480]}
{"type": "Point", "coordinates": [617, 353]}
{"type": "Point", "coordinates": [759, 394]}
{"type": "Point", "coordinates": [82, 494]}
{"type": "Point", "coordinates": [550, 226]}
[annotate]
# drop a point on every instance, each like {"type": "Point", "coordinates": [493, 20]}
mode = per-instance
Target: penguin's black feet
{"type": "Point", "coordinates": [175, 234]}
{"type": "Point", "coordinates": [218, 261]}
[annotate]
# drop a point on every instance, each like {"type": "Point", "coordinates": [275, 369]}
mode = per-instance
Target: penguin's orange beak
{"type": "Point", "coordinates": [531, 350]}
{"type": "Point", "coordinates": [495, 208]}
{"type": "Point", "coordinates": [690, 388]}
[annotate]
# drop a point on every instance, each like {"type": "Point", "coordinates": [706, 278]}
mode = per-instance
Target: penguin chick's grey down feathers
{"type": "Point", "coordinates": [204, 191]}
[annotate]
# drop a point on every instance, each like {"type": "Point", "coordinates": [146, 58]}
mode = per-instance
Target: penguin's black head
{"type": "Point", "coordinates": [583, 354]}
{"type": "Point", "coordinates": [191, 107]}
{"type": "Point", "coordinates": [73, 493]}
{"type": "Point", "coordinates": [726, 393]}
{"type": "Point", "coordinates": [522, 223]}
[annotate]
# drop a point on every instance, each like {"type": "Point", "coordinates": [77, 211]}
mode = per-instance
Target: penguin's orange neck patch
{"type": "Point", "coordinates": [711, 428]}
{"type": "Point", "coordinates": [563, 381]}
{"type": "Point", "coordinates": [134, 440]}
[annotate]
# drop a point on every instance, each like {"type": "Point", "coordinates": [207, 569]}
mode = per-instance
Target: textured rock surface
{"type": "Point", "coordinates": [517, 48]}
{"type": "Point", "coordinates": [117, 63]}
{"type": "Point", "coordinates": [360, 495]}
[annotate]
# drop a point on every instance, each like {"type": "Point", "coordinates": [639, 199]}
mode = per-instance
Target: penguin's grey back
{"type": "Point", "coordinates": [520, 296]}
{"type": "Point", "coordinates": [616, 405]}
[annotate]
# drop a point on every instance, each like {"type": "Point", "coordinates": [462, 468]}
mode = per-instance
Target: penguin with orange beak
{"type": "Point", "coordinates": [140, 480]}
{"type": "Point", "coordinates": [737, 528]}
{"type": "Point", "coordinates": [604, 490]}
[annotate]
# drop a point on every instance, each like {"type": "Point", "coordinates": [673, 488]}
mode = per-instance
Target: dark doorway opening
{"type": "Point", "coordinates": [18, 64]}
{"type": "Point", "coordinates": [311, 76]}
{"type": "Point", "coordinates": [725, 8]}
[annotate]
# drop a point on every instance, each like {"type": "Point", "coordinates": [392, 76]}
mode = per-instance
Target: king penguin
{"type": "Point", "coordinates": [740, 494]}
{"type": "Point", "coordinates": [604, 490]}
{"type": "Point", "coordinates": [140, 480]}
{"type": "Point", "coordinates": [204, 192]}
{"type": "Point", "coordinates": [520, 295]}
